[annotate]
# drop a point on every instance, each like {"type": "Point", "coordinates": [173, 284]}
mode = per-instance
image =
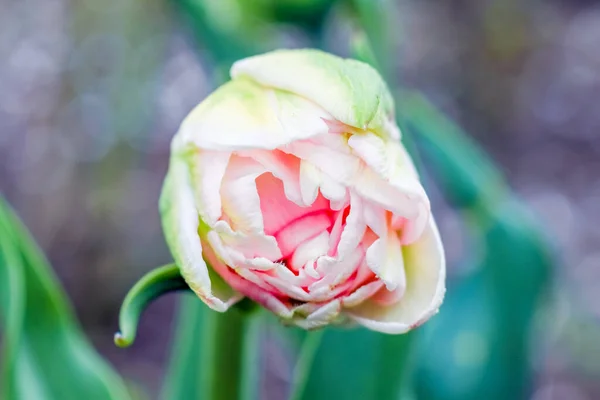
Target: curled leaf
{"type": "Point", "coordinates": [152, 285]}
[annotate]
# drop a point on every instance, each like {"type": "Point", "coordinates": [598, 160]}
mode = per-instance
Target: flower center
{"type": "Point", "coordinates": [302, 233]}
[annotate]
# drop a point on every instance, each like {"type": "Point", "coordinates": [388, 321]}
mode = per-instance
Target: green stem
{"type": "Point", "coordinates": [223, 353]}
{"type": "Point", "coordinates": [303, 366]}
{"type": "Point", "coordinates": [251, 358]}
{"type": "Point", "coordinates": [207, 352]}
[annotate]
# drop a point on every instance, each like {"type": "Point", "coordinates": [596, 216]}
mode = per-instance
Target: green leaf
{"type": "Point", "coordinates": [225, 41]}
{"type": "Point", "coordinates": [154, 284]}
{"type": "Point", "coordinates": [45, 355]}
{"type": "Point", "coordinates": [375, 18]}
{"type": "Point", "coordinates": [308, 15]}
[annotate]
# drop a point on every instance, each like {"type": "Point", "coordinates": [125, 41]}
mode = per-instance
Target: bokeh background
{"type": "Point", "coordinates": [91, 93]}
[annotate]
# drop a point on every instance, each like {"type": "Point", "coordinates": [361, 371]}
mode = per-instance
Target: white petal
{"type": "Point", "coordinates": [310, 180]}
{"type": "Point", "coordinates": [354, 229]}
{"type": "Point", "coordinates": [284, 273]}
{"type": "Point", "coordinates": [412, 206]}
{"type": "Point", "coordinates": [375, 218]}
{"type": "Point", "coordinates": [255, 278]}
{"type": "Point", "coordinates": [322, 316]}
{"type": "Point", "coordinates": [336, 142]}
{"type": "Point", "coordinates": [180, 224]}
{"type": "Point", "coordinates": [288, 288]}
{"type": "Point", "coordinates": [391, 163]}
{"type": "Point", "coordinates": [361, 294]}
{"type": "Point", "coordinates": [336, 271]}
{"type": "Point", "coordinates": [386, 157]}
{"type": "Point", "coordinates": [384, 258]}
{"type": "Point", "coordinates": [333, 191]}
{"type": "Point", "coordinates": [250, 245]}
{"type": "Point", "coordinates": [340, 166]}
{"type": "Point", "coordinates": [208, 169]}
{"type": "Point", "coordinates": [297, 115]}
{"type": "Point", "coordinates": [282, 280]}
{"type": "Point", "coordinates": [339, 204]}
{"type": "Point", "coordinates": [425, 269]}
{"type": "Point", "coordinates": [385, 297]}
{"type": "Point", "coordinates": [234, 258]}
{"type": "Point", "coordinates": [310, 270]}
{"type": "Point", "coordinates": [242, 204]}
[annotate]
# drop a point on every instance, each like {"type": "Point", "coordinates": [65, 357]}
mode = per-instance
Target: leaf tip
{"type": "Point", "coordinates": [122, 341]}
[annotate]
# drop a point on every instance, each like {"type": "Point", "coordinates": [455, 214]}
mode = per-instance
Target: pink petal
{"type": "Point", "coordinates": [249, 289]}
{"type": "Point", "coordinates": [310, 250]}
{"type": "Point", "coordinates": [276, 209]}
{"type": "Point", "coordinates": [284, 167]}
{"type": "Point", "coordinates": [301, 230]}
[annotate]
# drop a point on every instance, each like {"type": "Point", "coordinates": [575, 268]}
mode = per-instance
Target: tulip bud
{"type": "Point", "coordinates": [289, 185]}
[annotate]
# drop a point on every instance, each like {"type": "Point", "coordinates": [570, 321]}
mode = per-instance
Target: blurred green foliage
{"type": "Point", "coordinates": [479, 345]}
{"type": "Point", "coordinates": [45, 354]}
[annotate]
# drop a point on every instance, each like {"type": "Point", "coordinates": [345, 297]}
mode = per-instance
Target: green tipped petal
{"type": "Point", "coordinates": [242, 114]}
{"type": "Point", "coordinates": [181, 224]}
{"type": "Point", "coordinates": [351, 91]}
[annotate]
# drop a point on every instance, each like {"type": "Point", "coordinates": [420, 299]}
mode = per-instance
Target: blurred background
{"type": "Point", "coordinates": [91, 93]}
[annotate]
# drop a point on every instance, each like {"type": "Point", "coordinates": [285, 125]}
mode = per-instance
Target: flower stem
{"type": "Point", "coordinates": [303, 366]}
{"type": "Point", "coordinates": [223, 355]}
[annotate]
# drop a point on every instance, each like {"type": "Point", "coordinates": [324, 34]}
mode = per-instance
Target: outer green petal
{"type": "Point", "coordinates": [242, 114]}
{"type": "Point", "coordinates": [351, 91]}
{"type": "Point", "coordinates": [181, 224]}
{"type": "Point", "coordinates": [425, 268]}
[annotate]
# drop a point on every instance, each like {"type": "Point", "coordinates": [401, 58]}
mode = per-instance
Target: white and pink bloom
{"type": "Point", "coordinates": [289, 185]}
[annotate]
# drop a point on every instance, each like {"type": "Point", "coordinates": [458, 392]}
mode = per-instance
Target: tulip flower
{"type": "Point", "coordinates": [289, 185]}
